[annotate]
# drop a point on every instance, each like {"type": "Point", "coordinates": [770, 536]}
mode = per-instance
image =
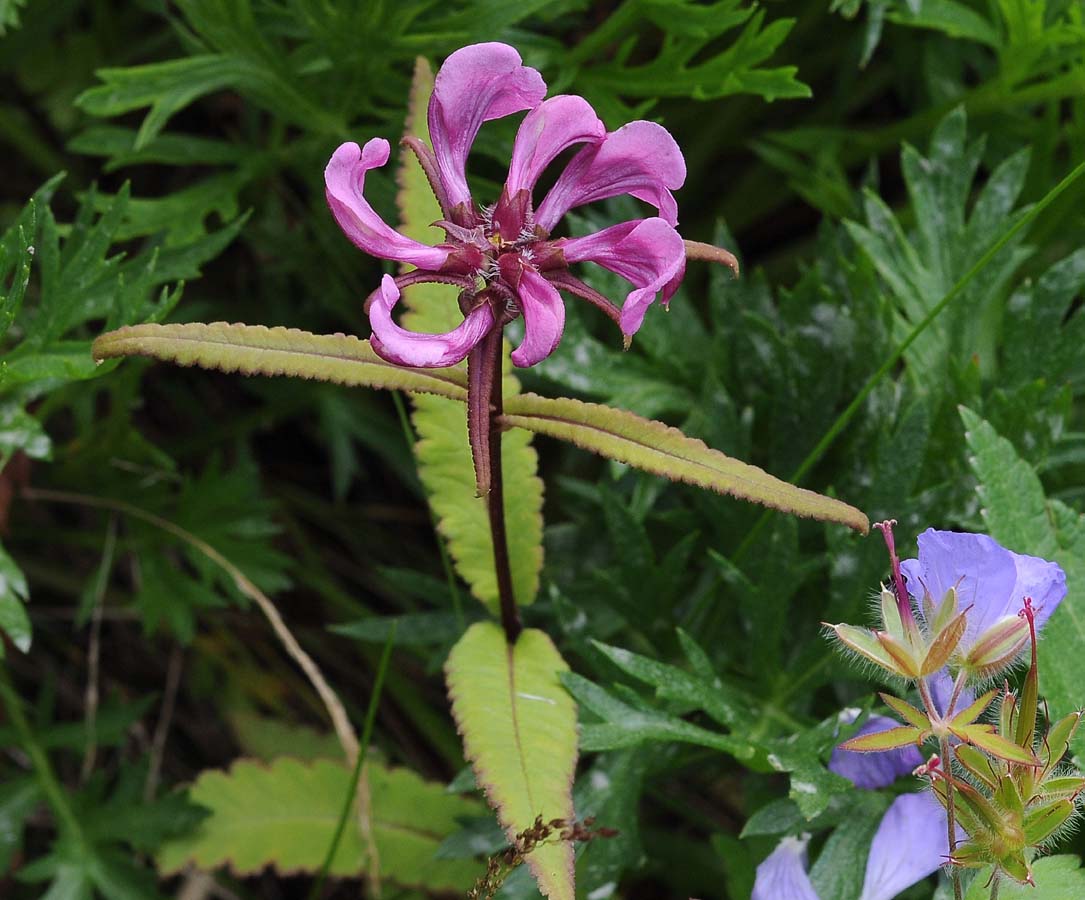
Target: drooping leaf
{"type": "Point", "coordinates": [443, 451]}
{"type": "Point", "coordinates": [519, 732]}
{"type": "Point", "coordinates": [658, 448]}
{"type": "Point", "coordinates": [259, 350]}
{"type": "Point", "coordinates": [284, 814]}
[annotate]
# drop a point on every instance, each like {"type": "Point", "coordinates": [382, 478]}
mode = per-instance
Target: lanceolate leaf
{"type": "Point", "coordinates": [905, 710]}
{"type": "Point", "coordinates": [984, 737]}
{"type": "Point", "coordinates": [258, 350]}
{"type": "Point", "coordinates": [519, 731]}
{"type": "Point", "coordinates": [666, 451]}
{"type": "Point", "coordinates": [284, 815]}
{"type": "Point", "coordinates": [444, 455]}
{"type": "Point", "coordinates": [972, 712]}
{"type": "Point", "coordinates": [879, 741]}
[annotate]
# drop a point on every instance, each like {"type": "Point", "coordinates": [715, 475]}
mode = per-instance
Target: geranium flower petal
{"type": "Point", "coordinates": [551, 127]}
{"type": "Point", "coordinates": [475, 84]}
{"type": "Point", "coordinates": [875, 770]}
{"type": "Point", "coordinates": [426, 351]}
{"type": "Point", "coordinates": [783, 873]}
{"type": "Point", "coordinates": [648, 253]}
{"type": "Point", "coordinates": [641, 159]}
{"type": "Point", "coordinates": [1043, 581]}
{"type": "Point", "coordinates": [344, 180]}
{"type": "Point", "coordinates": [990, 579]}
{"type": "Point", "coordinates": [911, 842]}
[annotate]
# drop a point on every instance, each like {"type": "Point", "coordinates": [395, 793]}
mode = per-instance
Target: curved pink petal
{"type": "Point", "coordinates": [640, 158]}
{"type": "Point", "coordinates": [475, 84]}
{"type": "Point", "coordinates": [782, 876]}
{"type": "Point", "coordinates": [344, 180]}
{"type": "Point", "coordinates": [542, 308]}
{"type": "Point", "coordinates": [425, 351]}
{"type": "Point", "coordinates": [648, 253]}
{"type": "Point", "coordinates": [546, 131]}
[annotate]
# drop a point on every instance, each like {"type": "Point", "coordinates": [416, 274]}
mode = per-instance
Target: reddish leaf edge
{"type": "Point", "coordinates": [530, 411]}
{"type": "Point", "coordinates": [164, 343]}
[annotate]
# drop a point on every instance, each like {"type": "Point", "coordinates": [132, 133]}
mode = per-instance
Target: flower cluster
{"type": "Point", "coordinates": [503, 256]}
{"type": "Point", "coordinates": [955, 618]}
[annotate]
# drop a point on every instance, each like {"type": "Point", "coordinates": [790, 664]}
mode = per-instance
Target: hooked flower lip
{"type": "Point", "coordinates": [502, 255]}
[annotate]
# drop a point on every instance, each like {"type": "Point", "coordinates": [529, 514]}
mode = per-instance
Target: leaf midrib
{"type": "Point", "coordinates": [510, 652]}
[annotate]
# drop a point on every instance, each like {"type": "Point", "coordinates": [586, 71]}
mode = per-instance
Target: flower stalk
{"type": "Point", "coordinates": [484, 408]}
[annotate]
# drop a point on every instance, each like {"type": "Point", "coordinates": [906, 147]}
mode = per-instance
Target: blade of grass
{"type": "Point", "coordinates": [359, 763]}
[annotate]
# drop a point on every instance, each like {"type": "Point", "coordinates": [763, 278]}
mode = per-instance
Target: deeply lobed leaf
{"type": "Point", "coordinates": [284, 815]}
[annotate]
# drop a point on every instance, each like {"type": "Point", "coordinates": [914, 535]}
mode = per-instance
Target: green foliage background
{"type": "Point", "coordinates": [903, 139]}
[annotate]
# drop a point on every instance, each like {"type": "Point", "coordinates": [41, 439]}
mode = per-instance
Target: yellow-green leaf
{"type": "Point", "coordinates": [284, 815]}
{"type": "Point", "coordinates": [443, 451]}
{"type": "Point", "coordinates": [984, 737]}
{"type": "Point", "coordinates": [519, 731]}
{"type": "Point", "coordinates": [259, 350]}
{"type": "Point", "coordinates": [969, 714]}
{"type": "Point", "coordinates": [666, 451]}
{"type": "Point", "coordinates": [906, 711]}
{"type": "Point", "coordinates": [879, 741]}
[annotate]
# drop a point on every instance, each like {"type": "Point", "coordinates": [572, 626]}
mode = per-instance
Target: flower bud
{"type": "Point", "coordinates": [997, 648]}
{"type": "Point", "coordinates": [879, 647]}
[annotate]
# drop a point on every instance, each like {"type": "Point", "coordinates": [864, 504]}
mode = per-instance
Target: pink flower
{"type": "Point", "coordinates": [502, 256]}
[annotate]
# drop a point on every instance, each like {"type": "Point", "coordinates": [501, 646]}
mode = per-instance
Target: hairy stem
{"type": "Point", "coordinates": [495, 501]}
{"type": "Point", "coordinates": [484, 408]}
{"type": "Point", "coordinates": [947, 771]}
{"type": "Point", "coordinates": [951, 818]}
{"type": "Point", "coordinates": [958, 686]}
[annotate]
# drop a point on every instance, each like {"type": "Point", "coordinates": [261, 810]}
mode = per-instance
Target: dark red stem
{"type": "Point", "coordinates": [484, 408]}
